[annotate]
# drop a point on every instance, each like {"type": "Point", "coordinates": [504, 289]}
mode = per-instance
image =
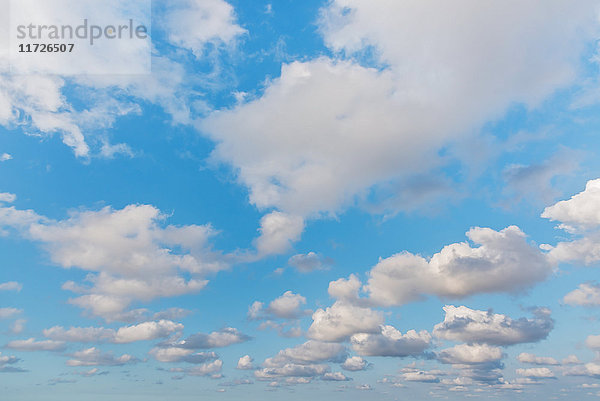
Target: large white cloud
{"type": "Point", "coordinates": [326, 130]}
{"type": "Point", "coordinates": [503, 262]}
{"type": "Point", "coordinates": [475, 326]}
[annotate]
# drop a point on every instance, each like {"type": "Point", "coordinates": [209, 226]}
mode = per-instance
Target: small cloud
{"type": "Point", "coordinates": [5, 157]}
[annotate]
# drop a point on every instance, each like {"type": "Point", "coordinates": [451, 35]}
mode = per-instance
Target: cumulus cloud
{"type": "Point", "coordinates": [94, 357]}
{"type": "Point", "coordinates": [465, 354]}
{"type": "Point", "coordinates": [245, 363]}
{"type": "Point", "coordinates": [307, 353]}
{"type": "Point", "coordinates": [278, 231]}
{"type": "Point", "coordinates": [391, 342]}
{"type": "Point", "coordinates": [287, 306]}
{"type": "Point", "coordinates": [32, 345]}
{"type": "Point", "coordinates": [581, 211]}
{"type": "Point", "coordinates": [536, 360]}
{"type": "Point", "coordinates": [474, 326]}
{"type": "Point", "coordinates": [341, 320]}
{"type": "Point", "coordinates": [5, 157]}
{"type": "Point", "coordinates": [305, 361]}
{"type": "Point", "coordinates": [587, 294]}
{"type": "Point", "coordinates": [131, 254]}
{"type": "Point", "coordinates": [11, 286]}
{"type": "Point", "coordinates": [354, 363]}
{"type": "Point", "coordinates": [591, 369]}
{"type": "Point", "coordinates": [503, 262]}
{"type": "Point", "coordinates": [306, 263]}
{"type": "Point", "coordinates": [127, 334]}
{"type": "Point", "coordinates": [335, 376]}
{"type": "Point", "coordinates": [578, 216]}
{"type": "Point", "coordinates": [536, 373]}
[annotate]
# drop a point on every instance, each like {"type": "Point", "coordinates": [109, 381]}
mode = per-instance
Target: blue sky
{"type": "Point", "coordinates": [337, 199]}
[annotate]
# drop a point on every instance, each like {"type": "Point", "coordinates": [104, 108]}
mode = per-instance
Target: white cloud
{"type": "Point", "coordinates": [420, 376]}
{"type": "Point", "coordinates": [593, 342]}
{"type": "Point", "coordinates": [465, 354]}
{"type": "Point", "coordinates": [287, 306]}
{"type": "Point", "coordinates": [277, 233]}
{"type": "Point", "coordinates": [587, 294]}
{"type": "Point", "coordinates": [207, 369]}
{"type": "Point", "coordinates": [581, 211]}
{"type": "Point", "coordinates": [11, 286]}
{"type": "Point", "coordinates": [32, 345]}
{"type": "Point", "coordinates": [217, 339]}
{"type": "Point", "coordinates": [345, 289]}
{"type": "Point", "coordinates": [335, 376]}
{"type": "Point", "coordinates": [308, 262]}
{"type": "Point", "coordinates": [7, 313]}
{"type": "Point", "coordinates": [18, 326]}
{"type": "Point", "coordinates": [302, 362]}
{"type": "Point", "coordinates": [43, 103]}
{"type": "Point", "coordinates": [503, 262]}
{"type": "Point", "coordinates": [475, 326]}
{"type": "Point", "coordinates": [536, 360]}
{"type": "Point", "coordinates": [578, 215]}
{"type": "Point", "coordinates": [7, 197]}
{"type": "Point", "coordinates": [176, 354]}
{"type": "Point", "coordinates": [193, 24]}
{"type": "Point", "coordinates": [354, 364]}
{"type": "Point", "coordinates": [127, 334]}
{"type": "Point", "coordinates": [5, 157]}
{"type": "Point", "coordinates": [94, 357]}
{"type": "Point", "coordinates": [245, 363]}
{"type": "Point", "coordinates": [536, 373]}
{"type": "Point", "coordinates": [391, 342]}
{"type": "Point", "coordinates": [341, 320]}
{"type": "Point", "coordinates": [132, 255]}
{"type": "Point", "coordinates": [326, 131]}
{"type": "Point", "coordinates": [146, 331]}
{"type": "Point", "coordinates": [308, 353]}
{"type": "Point", "coordinates": [591, 369]}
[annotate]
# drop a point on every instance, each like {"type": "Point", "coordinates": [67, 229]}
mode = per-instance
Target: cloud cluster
{"type": "Point", "coordinates": [304, 363]}
{"type": "Point", "coordinates": [474, 326]}
{"type": "Point", "coordinates": [131, 254]}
